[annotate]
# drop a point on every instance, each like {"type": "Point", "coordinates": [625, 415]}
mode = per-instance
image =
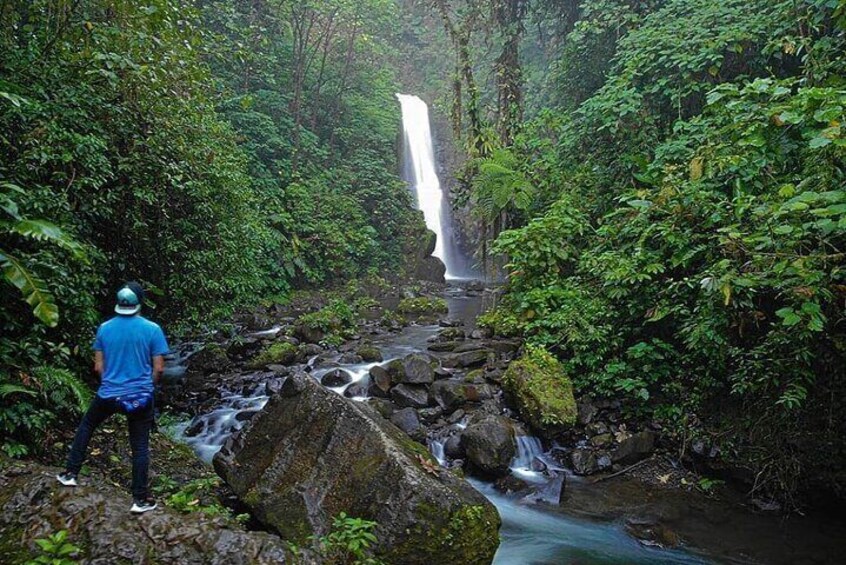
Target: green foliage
{"type": "Point", "coordinates": [32, 403]}
{"type": "Point", "coordinates": [349, 542]}
{"type": "Point", "coordinates": [685, 247]}
{"type": "Point", "coordinates": [195, 496]}
{"type": "Point", "coordinates": [55, 549]}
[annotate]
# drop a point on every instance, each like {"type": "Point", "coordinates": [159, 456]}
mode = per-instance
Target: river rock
{"type": "Point", "coordinates": [467, 359]}
{"type": "Point", "coordinates": [305, 459]}
{"type": "Point", "coordinates": [450, 394]}
{"type": "Point", "coordinates": [443, 346]}
{"type": "Point", "coordinates": [210, 359]}
{"type": "Point", "coordinates": [410, 396]}
{"type": "Point", "coordinates": [453, 448]}
{"type": "Point", "coordinates": [369, 353]}
{"type": "Point", "coordinates": [336, 378]}
{"type": "Point", "coordinates": [308, 334]}
{"type": "Point", "coordinates": [634, 448]}
{"type": "Point", "coordinates": [279, 353]}
{"type": "Point", "coordinates": [407, 420]}
{"type": "Point", "coordinates": [489, 444]}
{"type": "Point", "coordinates": [33, 505]}
{"type": "Point", "coordinates": [584, 461]}
{"type": "Point", "coordinates": [418, 369]}
{"type": "Point", "coordinates": [380, 380]}
{"type": "Point", "coordinates": [361, 388]}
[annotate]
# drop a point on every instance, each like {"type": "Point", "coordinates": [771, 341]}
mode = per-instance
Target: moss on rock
{"type": "Point", "coordinates": [281, 353]}
{"type": "Point", "coordinates": [541, 391]}
{"type": "Point", "coordinates": [422, 305]}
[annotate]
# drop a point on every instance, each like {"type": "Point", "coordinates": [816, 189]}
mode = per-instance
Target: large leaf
{"type": "Point", "coordinates": [45, 231]}
{"type": "Point", "coordinates": [7, 389]}
{"type": "Point", "coordinates": [33, 289]}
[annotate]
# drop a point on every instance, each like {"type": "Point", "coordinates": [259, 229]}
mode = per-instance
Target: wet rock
{"type": "Point", "coordinates": [490, 445]}
{"type": "Point", "coordinates": [273, 386]}
{"type": "Point", "coordinates": [407, 420]}
{"type": "Point", "coordinates": [350, 359]}
{"type": "Point", "coordinates": [336, 378]}
{"type": "Point", "coordinates": [456, 416]}
{"type": "Point", "coordinates": [358, 389]}
{"type": "Point", "coordinates": [306, 351]}
{"type": "Point", "coordinates": [410, 396]}
{"type": "Point", "coordinates": [417, 369]}
{"type": "Point", "coordinates": [467, 359]}
{"type": "Point", "coordinates": [584, 461]}
{"type": "Point", "coordinates": [431, 415]}
{"type": "Point", "coordinates": [652, 534]}
{"type": "Point", "coordinates": [634, 448]}
{"type": "Point", "coordinates": [510, 484]}
{"type": "Point", "coordinates": [602, 440]}
{"type": "Point", "coordinates": [453, 448]}
{"type": "Point", "coordinates": [305, 459]}
{"type": "Point", "coordinates": [96, 518]}
{"type": "Point", "coordinates": [369, 353]}
{"type": "Point", "coordinates": [596, 428]}
{"type": "Point", "coordinates": [380, 381]}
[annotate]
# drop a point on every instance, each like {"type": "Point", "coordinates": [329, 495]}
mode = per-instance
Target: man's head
{"type": "Point", "coordinates": [129, 299]}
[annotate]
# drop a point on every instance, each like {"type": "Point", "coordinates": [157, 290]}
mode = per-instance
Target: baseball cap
{"type": "Point", "coordinates": [129, 299]}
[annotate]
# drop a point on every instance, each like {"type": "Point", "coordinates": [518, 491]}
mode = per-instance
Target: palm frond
{"type": "Point", "coordinates": [34, 290]}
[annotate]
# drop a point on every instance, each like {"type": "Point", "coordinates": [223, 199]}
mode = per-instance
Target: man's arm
{"type": "Point", "coordinates": [98, 363]}
{"type": "Point", "coordinates": [158, 368]}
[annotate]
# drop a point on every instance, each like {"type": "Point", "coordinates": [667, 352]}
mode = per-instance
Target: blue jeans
{"type": "Point", "coordinates": [140, 425]}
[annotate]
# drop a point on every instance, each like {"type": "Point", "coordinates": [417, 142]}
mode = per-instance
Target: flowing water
{"type": "Point", "coordinates": [420, 171]}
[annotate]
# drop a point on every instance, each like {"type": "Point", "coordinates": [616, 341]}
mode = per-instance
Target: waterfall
{"type": "Point", "coordinates": [421, 174]}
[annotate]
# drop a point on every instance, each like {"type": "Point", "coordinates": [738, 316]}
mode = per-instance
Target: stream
{"type": "Point", "coordinates": [591, 525]}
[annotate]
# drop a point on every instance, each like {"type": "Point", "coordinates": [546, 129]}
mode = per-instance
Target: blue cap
{"type": "Point", "coordinates": [128, 303]}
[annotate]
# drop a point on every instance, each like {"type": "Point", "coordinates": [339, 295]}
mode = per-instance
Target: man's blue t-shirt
{"type": "Point", "coordinates": [128, 344]}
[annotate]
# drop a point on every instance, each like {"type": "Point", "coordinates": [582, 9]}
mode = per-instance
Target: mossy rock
{"type": "Point", "coordinates": [281, 353]}
{"type": "Point", "coordinates": [422, 306]}
{"type": "Point", "coordinates": [369, 353]}
{"type": "Point", "coordinates": [210, 359]}
{"type": "Point", "coordinates": [311, 454]}
{"type": "Point", "coordinates": [541, 391]}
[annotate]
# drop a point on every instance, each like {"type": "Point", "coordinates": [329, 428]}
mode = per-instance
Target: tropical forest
{"type": "Point", "coordinates": [390, 282]}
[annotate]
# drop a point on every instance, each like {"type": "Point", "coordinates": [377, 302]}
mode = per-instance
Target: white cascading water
{"type": "Point", "coordinates": [422, 175]}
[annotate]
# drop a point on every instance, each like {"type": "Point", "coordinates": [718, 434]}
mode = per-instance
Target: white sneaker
{"type": "Point", "coordinates": [67, 479]}
{"type": "Point", "coordinates": [141, 506]}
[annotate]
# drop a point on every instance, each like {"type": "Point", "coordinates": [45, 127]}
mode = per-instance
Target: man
{"type": "Point", "coordinates": [129, 357]}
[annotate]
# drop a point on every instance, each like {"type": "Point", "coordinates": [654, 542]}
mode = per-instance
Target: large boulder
{"type": "Point", "coordinates": [33, 505]}
{"type": "Point", "coordinates": [410, 396]}
{"type": "Point", "coordinates": [634, 447]}
{"type": "Point", "coordinates": [466, 359]}
{"type": "Point", "coordinates": [490, 445]}
{"type": "Point", "coordinates": [311, 454]}
{"type": "Point", "coordinates": [541, 391]}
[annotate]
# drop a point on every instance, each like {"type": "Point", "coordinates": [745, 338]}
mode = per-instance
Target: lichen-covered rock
{"type": "Point", "coordinates": [33, 505]}
{"type": "Point", "coordinates": [309, 456]}
{"type": "Point", "coordinates": [369, 353]}
{"type": "Point", "coordinates": [541, 392]}
{"type": "Point", "coordinates": [450, 394]}
{"type": "Point", "coordinates": [280, 353]}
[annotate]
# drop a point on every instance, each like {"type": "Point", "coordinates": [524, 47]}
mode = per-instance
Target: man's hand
{"type": "Point", "coordinates": [158, 368]}
{"type": "Point", "coordinates": [98, 363]}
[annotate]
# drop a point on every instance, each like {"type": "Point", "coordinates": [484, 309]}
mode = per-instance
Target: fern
{"type": "Point", "coordinates": [62, 389]}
